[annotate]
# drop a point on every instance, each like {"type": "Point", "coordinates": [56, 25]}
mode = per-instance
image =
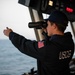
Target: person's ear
{"type": "Point", "coordinates": [54, 26]}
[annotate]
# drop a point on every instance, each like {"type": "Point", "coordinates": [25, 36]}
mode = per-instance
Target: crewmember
{"type": "Point", "coordinates": [53, 55]}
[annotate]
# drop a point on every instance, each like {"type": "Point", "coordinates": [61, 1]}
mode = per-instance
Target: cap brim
{"type": "Point", "coordinates": [46, 19]}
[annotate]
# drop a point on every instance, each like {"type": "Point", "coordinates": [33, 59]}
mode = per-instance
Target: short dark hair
{"type": "Point", "coordinates": [61, 27]}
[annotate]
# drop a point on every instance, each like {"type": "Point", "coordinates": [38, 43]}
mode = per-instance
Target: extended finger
{"type": "Point", "coordinates": [7, 28]}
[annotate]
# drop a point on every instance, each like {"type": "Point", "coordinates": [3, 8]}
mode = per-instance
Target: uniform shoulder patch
{"type": "Point", "coordinates": [40, 44]}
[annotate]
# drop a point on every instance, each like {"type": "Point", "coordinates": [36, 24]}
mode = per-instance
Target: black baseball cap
{"type": "Point", "coordinates": [58, 17]}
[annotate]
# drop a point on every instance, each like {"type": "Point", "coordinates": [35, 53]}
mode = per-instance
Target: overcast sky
{"type": "Point", "coordinates": [15, 16]}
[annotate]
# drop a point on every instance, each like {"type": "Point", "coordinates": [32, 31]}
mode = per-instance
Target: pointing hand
{"type": "Point", "coordinates": [7, 31]}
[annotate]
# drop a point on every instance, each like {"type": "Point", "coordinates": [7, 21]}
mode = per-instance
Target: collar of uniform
{"type": "Point", "coordinates": [56, 37]}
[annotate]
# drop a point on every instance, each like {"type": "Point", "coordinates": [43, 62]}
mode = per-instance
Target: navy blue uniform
{"type": "Point", "coordinates": [53, 55]}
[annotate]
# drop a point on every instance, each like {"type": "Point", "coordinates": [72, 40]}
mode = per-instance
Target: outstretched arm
{"type": "Point", "coordinates": [31, 48]}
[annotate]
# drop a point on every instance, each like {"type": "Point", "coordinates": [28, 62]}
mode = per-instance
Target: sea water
{"type": "Point", "coordinates": [12, 61]}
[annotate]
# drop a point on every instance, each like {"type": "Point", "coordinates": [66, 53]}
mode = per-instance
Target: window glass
{"type": "Point", "coordinates": [16, 17]}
